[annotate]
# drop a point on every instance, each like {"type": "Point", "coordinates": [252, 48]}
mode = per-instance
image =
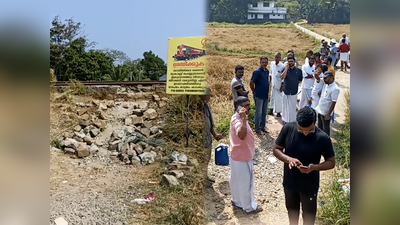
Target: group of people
{"type": "Point", "coordinates": [340, 52]}
{"type": "Point", "coordinates": [318, 88]}
{"type": "Point", "coordinates": [303, 139]}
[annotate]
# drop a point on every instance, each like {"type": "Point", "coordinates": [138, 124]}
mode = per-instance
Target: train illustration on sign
{"type": "Point", "coordinates": [185, 52]}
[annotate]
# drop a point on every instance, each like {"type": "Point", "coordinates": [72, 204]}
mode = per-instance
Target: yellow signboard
{"type": "Point", "coordinates": [186, 66]}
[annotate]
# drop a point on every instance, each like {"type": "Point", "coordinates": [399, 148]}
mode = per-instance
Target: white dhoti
{"type": "Point", "coordinates": [277, 102]}
{"type": "Point", "coordinates": [305, 96]}
{"type": "Point", "coordinates": [271, 99]}
{"type": "Point", "coordinates": [242, 185]}
{"type": "Point", "coordinates": [315, 102]}
{"type": "Point", "coordinates": [289, 108]}
{"type": "Point", "coordinates": [344, 57]}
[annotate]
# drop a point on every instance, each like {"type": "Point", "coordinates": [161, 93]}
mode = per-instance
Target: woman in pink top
{"type": "Point", "coordinates": [241, 139]}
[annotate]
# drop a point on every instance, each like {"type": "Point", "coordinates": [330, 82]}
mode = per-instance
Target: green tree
{"type": "Point", "coordinates": [231, 11]}
{"type": "Point", "coordinates": [153, 66]}
{"type": "Point", "coordinates": [71, 53]}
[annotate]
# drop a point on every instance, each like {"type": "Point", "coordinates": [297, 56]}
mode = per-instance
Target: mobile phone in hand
{"type": "Point", "coordinates": [304, 167]}
{"type": "Point", "coordinates": [239, 108]}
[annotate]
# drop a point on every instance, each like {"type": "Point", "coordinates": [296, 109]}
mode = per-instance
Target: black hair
{"type": "Point", "coordinates": [324, 68]}
{"type": "Point", "coordinates": [310, 51]}
{"type": "Point", "coordinates": [343, 40]}
{"type": "Point", "coordinates": [317, 54]}
{"type": "Point", "coordinates": [240, 100]}
{"type": "Point", "coordinates": [238, 67]}
{"type": "Point", "coordinates": [312, 57]}
{"type": "Point", "coordinates": [306, 116]}
{"type": "Point", "coordinates": [319, 65]}
{"type": "Point", "coordinates": [263, 57]}
{"type": "Point", "coordinates": [290, 57]}
{"type": "Point", "coordinates": [329, 59]}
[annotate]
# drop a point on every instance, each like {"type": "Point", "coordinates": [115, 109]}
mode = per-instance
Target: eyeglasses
{"type": "Point", "coordinates": [306, 132]}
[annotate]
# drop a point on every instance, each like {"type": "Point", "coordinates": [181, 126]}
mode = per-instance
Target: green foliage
{"type": "Point", "coordinates": [342, 147]}
{"type": "Point", "coordinates": [336, 209]}
{"type": "Point", "coordinates": [76, 88]}
{"type": "Point", "coordinates": [119, 73]}
{"type": "Point", "coordinates": [73, 58]}
{"type": "Point", "coordinates": [228, 10]}
{"type": "Point", "coordinates": [315, 11]}
{"type": "Point", "coordinates": [56, 143]}
{"type": "Point", "coordinates": [153, 66]}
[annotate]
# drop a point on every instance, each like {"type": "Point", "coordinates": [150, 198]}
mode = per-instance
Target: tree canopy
{"type": "Point", "coordinates": [315, 11]}
{"type": "Point", "coordinates": [73, 56]}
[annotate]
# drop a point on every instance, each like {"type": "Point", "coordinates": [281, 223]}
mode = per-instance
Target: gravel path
{"type": "Point", "coordinates": [268, 188]}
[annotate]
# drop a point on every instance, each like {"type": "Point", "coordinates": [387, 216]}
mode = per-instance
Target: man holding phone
{"type": "Point", "coordinates": [300, 146]}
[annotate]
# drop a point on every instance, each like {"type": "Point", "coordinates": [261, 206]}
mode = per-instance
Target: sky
{"type": "Point", "coordinates": [134, 26]}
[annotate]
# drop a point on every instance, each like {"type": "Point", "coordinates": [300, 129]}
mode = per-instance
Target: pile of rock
{"type": "Point", "coordinates": [179, 164]}
{"type": "Point", "coordinates": [122, 130]}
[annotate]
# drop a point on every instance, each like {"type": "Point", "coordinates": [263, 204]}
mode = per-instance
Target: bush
{"type": "Point", "coordinates": [336, 209]}
{"type": "Point", "coordinates": [56, 143]}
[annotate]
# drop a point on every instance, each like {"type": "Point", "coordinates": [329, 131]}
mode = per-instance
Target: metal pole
{"type": "Point", "coordinates": [187, 121]}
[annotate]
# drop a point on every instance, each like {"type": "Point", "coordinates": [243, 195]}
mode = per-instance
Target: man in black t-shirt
{"type": "Point", "coordinates": [300, 146]}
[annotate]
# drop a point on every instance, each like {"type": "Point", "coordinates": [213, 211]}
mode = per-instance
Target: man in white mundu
{"type": "Point", "coordinates": [308, 81]}
{"type": "Point", "coordinates": [277, 69]}
{"type": "Point", "coordinates": [292, 76]}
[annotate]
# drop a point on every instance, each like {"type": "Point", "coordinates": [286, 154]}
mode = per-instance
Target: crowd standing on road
{"type": "Point", "coordinates": [305, 135]}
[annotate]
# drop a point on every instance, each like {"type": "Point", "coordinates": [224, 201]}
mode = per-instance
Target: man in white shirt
{"type": "Point", "coordinates": [347, 40]}
{"type": "Point", "coordinates": [308, 81]}
{"type": "Point", "coordinates": [320, 69]}
{"type": "Point", "coordinates": [277, 69]}
{"type": "Point", "coordinates": [308, 55]}
{"type": "Point", "coordinates": [327, 102]}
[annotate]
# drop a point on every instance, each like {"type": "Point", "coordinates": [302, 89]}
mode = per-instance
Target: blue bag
{"type": "Point", "coordinates": [221, 155]}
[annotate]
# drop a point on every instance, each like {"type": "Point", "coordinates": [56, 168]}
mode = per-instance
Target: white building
{"type": "Point", "coordinates": [265, 11]}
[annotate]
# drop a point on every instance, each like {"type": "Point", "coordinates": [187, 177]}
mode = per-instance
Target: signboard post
{"type": "Point", "coordinates": [186, 70]}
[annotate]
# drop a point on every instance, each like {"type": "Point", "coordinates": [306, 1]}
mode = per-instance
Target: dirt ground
{"type": "Point", "coordinates": [260, 39]}
{"type": "Point", "coordinates": [329, 30]}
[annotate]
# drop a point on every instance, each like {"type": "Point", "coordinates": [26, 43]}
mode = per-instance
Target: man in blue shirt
{"type": "Point", "coordinates": [333, 51]}
{"type": "Point", "coordinates": [259, 85]}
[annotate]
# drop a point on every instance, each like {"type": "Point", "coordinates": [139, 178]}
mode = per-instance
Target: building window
{"type": "Point", "coordinates": [279, 15]}
{"type": "Point", "coordinates": [266, 4]}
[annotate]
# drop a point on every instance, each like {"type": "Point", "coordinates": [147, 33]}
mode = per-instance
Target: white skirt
{"type": "Point", "coordinates": [344, 56]}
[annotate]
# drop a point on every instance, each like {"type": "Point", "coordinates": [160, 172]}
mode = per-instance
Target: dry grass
{"type": "Point", "coordinates": [221, 70]}
{"type": "Point", "coordinates": [329, 30]}
{"type": "Point", "coordinates": [183, 204]}
{"type": "Point", "coordinates": [260, 40]}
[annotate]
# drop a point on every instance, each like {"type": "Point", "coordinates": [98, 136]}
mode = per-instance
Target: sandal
{"type": "Point", "coordinates": [265, 132]}
{"type": "Point", "coordinates": [233, 204]}
{"type": "Point", "coordinates": [258, 210]}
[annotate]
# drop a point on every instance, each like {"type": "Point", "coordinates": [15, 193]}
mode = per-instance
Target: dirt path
{"type": "Point", "coordinates": [268, 175]}
{"type": "Point", "coordinates": [342, 80]}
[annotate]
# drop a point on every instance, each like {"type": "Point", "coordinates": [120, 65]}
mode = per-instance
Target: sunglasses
{"type": "Point", "coordinates": [307, 132]}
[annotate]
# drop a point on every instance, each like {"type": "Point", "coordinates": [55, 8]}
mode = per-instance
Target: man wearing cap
{"type": "Point", "coordinates": [327, 102]}
{"type": "Point", "coordinates": [333, 52]}
{"type": "Point", "coordinates": [210, 132]}
{"type": "Point", "coordinates": [300, 146]}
